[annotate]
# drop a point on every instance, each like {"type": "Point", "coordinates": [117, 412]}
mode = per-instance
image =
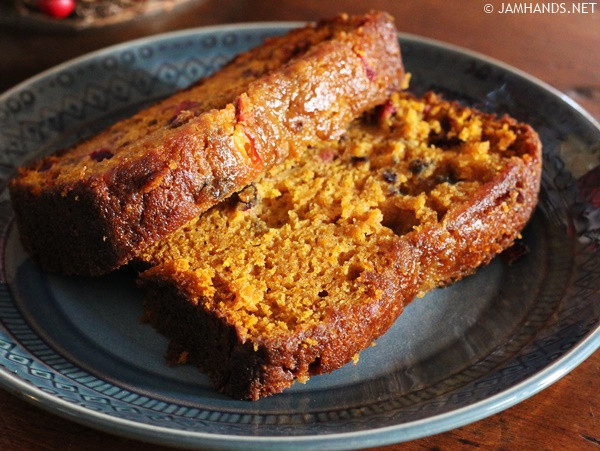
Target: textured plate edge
{"type": "Point", "coordinates": [147, 39]}
{"type": "Point", "coordinates": [354, 440]}
{"type": "Point", "coordinates": [507, 67]}
{"type": "Point", "coordinates": [295, 24]}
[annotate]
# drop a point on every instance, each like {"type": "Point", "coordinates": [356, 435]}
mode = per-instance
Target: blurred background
{"type": "Point", "coordinates": [561, 48]}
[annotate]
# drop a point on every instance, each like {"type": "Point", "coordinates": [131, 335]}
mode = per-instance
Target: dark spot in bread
{"type": "Point", "coordinates": [417, 166]}
{"type": "Point", "coordinates": [389, 175]}
{"type": "Point", "coordinates": [101, 155]}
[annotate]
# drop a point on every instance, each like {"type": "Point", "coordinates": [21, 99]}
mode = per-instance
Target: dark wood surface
{"type": "Point", "coordinates": [561, 49]}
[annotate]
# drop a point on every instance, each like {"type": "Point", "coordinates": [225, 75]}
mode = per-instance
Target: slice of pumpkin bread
{"type": "Point", "coordinates": [298, 272]}
{"type": "Point", "coordinates": [91, 208]}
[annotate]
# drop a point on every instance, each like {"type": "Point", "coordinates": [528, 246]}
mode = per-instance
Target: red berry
{"type": "Point", "coordinates": [58, 9]}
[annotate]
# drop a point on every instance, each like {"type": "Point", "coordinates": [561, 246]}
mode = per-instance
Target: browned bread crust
{"type": "Point", "coordinates": [90, 209]}
{"type": "Point", "coordinates": [472, 233]}
{"type": "Point", "coordinates": [302, 270]}
{"type": "Point", "coordinates": [248, 369]}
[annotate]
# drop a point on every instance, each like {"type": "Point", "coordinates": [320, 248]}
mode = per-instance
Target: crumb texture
{"type": "Point", "coordinates": [147, 175]}
{"type": "Point", "coordinates": [309, 264]}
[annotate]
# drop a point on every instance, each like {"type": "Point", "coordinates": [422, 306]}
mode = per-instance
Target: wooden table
{"type": "Point", "coordinates": [561, 49]}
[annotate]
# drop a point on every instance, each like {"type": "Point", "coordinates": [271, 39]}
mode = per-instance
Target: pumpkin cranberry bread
{"type": "Point", "coordinates": [91, 208]}
{"type": "Point", "coordinates": [298, 272]}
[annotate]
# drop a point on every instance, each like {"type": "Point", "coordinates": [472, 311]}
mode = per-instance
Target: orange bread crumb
{"type": "Point", "coordinates": [147, 175]}
{"type": "Point", "coordinates": [302, 269]}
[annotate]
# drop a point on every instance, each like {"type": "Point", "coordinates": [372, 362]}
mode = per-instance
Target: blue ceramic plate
{"type": "Point", "coordinates": [76, 347]}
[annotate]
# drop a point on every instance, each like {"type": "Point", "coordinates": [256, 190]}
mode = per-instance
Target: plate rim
{"type": "Point", "coordinates": [296, 24]}
{"type": "Point", "coordinates": [348, 440]}
{"type": "Point", "coordinates": [368, 438]}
